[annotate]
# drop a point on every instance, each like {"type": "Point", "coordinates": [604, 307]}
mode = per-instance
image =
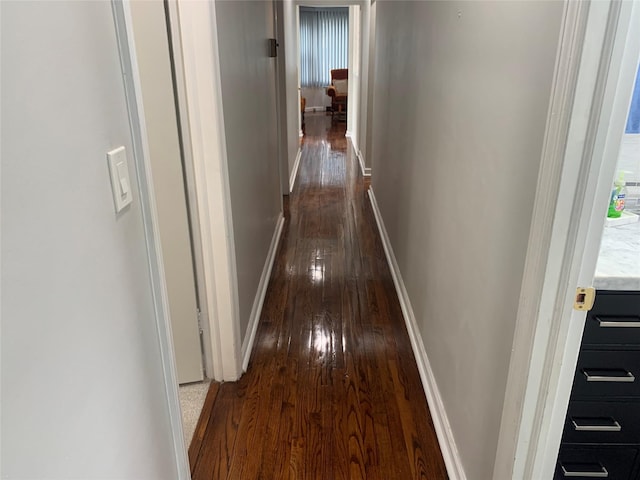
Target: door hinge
{"type": "Point", "coordinates": [200, 330]}
{"type": "Point", "coordinates": [584, 299]}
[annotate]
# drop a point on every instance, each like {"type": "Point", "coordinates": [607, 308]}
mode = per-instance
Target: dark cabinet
{"type": "Point", "coordinates": [596, 462]}
{"type": "Point", "coordinates": [602, 422]}
{"type": "Point", "coordinates": [607, 373]}
{"type": "Point", "coordinates": [601, 437]}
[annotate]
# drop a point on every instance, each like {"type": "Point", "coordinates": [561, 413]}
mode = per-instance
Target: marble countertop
{"type": "Point", "coordinates": [618, 265]}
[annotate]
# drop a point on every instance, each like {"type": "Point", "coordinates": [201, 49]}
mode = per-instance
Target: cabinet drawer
{"type": "Point", "coordinates": [602, 422]}
{"type": "Point", "coordinates": [607, 373]}
{"type": "Point", "coordinates": [614, 320]}
{"type": "Point", "coordinates": [595, 462]}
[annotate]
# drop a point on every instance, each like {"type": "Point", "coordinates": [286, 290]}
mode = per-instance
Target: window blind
{"type": "Point", "coordinates": [324, 44]}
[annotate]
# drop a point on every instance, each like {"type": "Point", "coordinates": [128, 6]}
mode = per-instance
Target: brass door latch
{"type": "Point", "coordinates": [584, 299]}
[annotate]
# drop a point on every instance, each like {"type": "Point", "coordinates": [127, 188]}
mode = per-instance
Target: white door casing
{"type": "Point", "coordinates": [198, 64]}
{"type": "Point", "coordinates": [131, 80]}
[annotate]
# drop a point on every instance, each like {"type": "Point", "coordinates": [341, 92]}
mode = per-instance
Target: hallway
{"type": "Point", "coordinates": [332, 390]}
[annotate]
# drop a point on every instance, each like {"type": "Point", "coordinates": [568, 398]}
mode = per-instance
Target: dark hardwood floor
{"type": "Point", "coordinates": [332, 390]}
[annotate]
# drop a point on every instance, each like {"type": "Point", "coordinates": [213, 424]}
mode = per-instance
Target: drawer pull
{"type": "Point", "coordinates": [582, 425]}
{"type": "Point", "coordinates": [635, 323]}
{"type": "Point", "coordinates": [596, 376]}
{"type": "Point", "coordinates": [584, 471]}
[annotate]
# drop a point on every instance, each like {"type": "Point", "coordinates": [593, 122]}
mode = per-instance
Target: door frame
{"type": "Point", "coordinates": [595, 69]}
{"type": "Point", "coordinates": [281, 96]}
{"type": "Point", "coordinates": [199, 98]}
{"type": "Point", "coordinates": [133, 92]}
{"type": "Point", "coordinates": [175, 46]}
{"type": "Point", "coordinates": [358, 62]}
{"type": "Point", "coordinates": [199, 92]}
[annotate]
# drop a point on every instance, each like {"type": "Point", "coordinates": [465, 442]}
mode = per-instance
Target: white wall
{"type": "Point", "coordinates": [281, 97]}
{"type": "Point", "coordinates": [316, 98]}
{"type": "Point", "coordinates": [456, 156]}
{"type": "Point", "coordinates": [366, 141]}
{"type": "Point", "coordinates": [353, 107]}
{"type": "Point", "coordinates": [248, 78]}
{"type": "Point", "coordinates": [82, 383]}
{"type": "Point", "coordinates": [292, 80]}
{"type": "Point", "coordinates": [365, 34]}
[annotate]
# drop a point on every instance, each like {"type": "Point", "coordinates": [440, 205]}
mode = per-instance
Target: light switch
{"type": "Point", "coordinates": [123, 177]}
{"type": "Point", "coordinates": [120, 183]}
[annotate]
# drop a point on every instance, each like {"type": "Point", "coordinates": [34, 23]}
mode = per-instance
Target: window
{"type": "Point", "coordinates": [633, 121]}
{"type": "Point", "coordinates": [324, 44]}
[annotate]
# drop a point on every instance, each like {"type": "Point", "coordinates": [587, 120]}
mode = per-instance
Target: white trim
{"type": "Point", "coordinates": [366, 171]}
{"type": "Point", "coordinates": [281, 97]}
{"type": "Point", "coordinates": [441, 423]}
{"type": "Point", "coordinates": [365, 34]}
{"type": "Point", "coordinates": [258, 301]}
{"type": "Point", "coordinates": [192, 193]}
{"type": "Point", "coordinates": [300, 133]}
{"type": "Point", "coordinates": [618, 55]}
{"type": "Point", "coordinates": [315, 109]}
{"type": "Point", "coordinates": [294, 170]}
{"type": "Point", "coordinates": [142, 162]}
{"type": "Point", "coordinates": [208, 144]}
{"type": "Point", "coordinates": [353, 64]}
{"type": "Point", "coordinates": [517, 419]}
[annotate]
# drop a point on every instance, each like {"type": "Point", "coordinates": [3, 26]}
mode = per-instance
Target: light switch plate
{"type": "Point", "coordinates": [120, 182]}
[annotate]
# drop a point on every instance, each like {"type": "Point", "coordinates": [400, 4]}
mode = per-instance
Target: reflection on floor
{"type": "Point", "coordinates": [332, 390]}
{"type": "Point", "coordinates": [192, 397]}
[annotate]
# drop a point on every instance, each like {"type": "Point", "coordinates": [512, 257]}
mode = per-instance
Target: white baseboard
{"type": "Point", "coordinates": [366, 171]}
{"type": "Point", "coordinates": [315, 109]}
{"type": "Point", "coordinates": [256, 310]}
{"type": "Point", "coordinates": [294, 171]}
{"type": "Point", "coordinates": [436, 406]}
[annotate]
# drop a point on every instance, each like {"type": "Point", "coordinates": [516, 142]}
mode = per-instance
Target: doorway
{"type": "Point", "coordinates": [598, 435]}
{"type": "Point", "coordinates": [324, 60]}
{"type": "Point", "coordinates": [360, 31]}
{"type": "Point", "coordinates": [328, 62]}
{"type": "Point", "coordinates": [174, 207]}
{"type": "Point", "coordinates": [574, 191]}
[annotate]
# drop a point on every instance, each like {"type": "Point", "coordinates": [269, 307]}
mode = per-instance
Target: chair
{"type": "Point", "coordinates": [338, 92]}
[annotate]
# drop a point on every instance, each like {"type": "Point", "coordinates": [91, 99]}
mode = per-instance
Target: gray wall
{"type": "Point", "coordinates": [248, 91]}
{"type": "Point", "coordinates": [82, 382]}
{"type": "Point", "coordinates": [456, 147]}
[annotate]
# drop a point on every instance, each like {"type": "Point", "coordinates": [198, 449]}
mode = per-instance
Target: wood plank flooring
{"type": "Point", "coordinates": [332, 390]}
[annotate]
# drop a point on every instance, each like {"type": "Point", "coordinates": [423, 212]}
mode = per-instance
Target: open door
{"type": "Point", "coordinates": [150, 32]}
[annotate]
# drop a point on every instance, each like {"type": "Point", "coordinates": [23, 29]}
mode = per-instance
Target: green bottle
{"type": "Point", "coordinates": [618, 194]}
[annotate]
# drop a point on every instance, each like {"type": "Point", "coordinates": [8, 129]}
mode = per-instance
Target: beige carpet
{"type": "Point", "coordinates": [192, 398]}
